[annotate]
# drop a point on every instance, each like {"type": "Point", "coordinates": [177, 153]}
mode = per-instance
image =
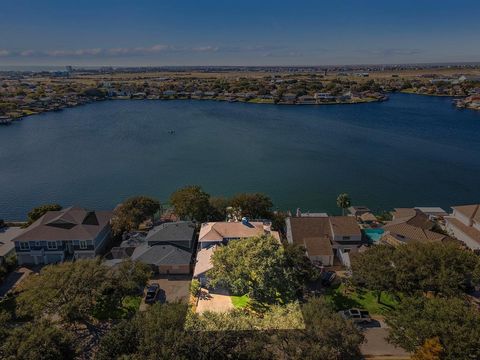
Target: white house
{"type": "Point", "coordinates": [464, 224]}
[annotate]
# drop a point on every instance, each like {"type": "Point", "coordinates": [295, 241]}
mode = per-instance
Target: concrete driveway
{"type": "Point", "coordinates": [13, 279]}
{"type": "Point", "coordinates": [219, 301]}
{"type": "Point", "coordinates": [172, 289]}
{"type": "Point", "coordinates": [376, 346]}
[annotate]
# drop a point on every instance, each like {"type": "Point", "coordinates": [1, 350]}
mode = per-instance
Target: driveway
{"type": "Point", "coordinates": [219, 301]}
{"type": "Point", "coordinates": [13, 279]}
{"type": "Point", "coordinates": [376, 346]}
{"type": "Point", "coordinates": [172, 289]}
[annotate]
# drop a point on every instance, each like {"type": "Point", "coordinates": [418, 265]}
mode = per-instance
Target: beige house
{"type": "Point", "coordinates": [464, 224]}
{"type": "Point", "coordinates": [214, 234]}
{"type": "Point", "coordinates": [323, 237]}
{"type": "Point", "coordinates": [411, 225]}
{"type": "Point", "coordinates": [217, 233]}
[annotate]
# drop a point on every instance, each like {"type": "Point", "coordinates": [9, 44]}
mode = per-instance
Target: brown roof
{"type": "Point", "coordinates": [73, 223]}
{"type": "Point", "coordinates": [412, 217]}
{"type": "Point", "coordinates": [470, 211]}
{"type": "Point", "coordinates": [313, 233]}
{"type": "Point", "coordinates": [368, 217]}
{"type": "Point", "coordinates": [309, 227]}
{"type": "Point", "coordinates": [318, 246]}
{"type": "Point", "coordinates": [403, 213]}
{"type": "Point", "coordinates": [345, 226]}
{"type": "Point", "coordinates": [217, 231]}
{"type": "Point", "coordinates": [413, 233]}
{"type": "Point", "coordinates": [470, 231]}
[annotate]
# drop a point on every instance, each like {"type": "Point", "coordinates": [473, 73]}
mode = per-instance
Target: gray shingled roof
{"type": "Point", "coordinates": [73, 223]}
{"type": "Point", "coordinates": [161, 255]}
{"type": "Point", "coordinates": [172, 232]}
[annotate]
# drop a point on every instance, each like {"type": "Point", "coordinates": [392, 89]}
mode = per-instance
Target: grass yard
{"type": "Point", "coordinates": [342, 298]}
{"type": "Point", "coordinates": [239, 302]}
{"type": "Point", "coordinates": [106, 310]}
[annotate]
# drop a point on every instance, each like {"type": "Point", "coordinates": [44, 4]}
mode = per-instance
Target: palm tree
{"type": "Point", "coordinates": [343, 202]}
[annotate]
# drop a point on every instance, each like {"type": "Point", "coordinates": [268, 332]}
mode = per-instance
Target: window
{"type": "Point", "coordinates": [24, 246]}
{"type": "Point", "coordinates": [37, 243]}
{"type": "Point", "coordinates": [83, 244]}
{"type": "Point", "coordinates": [51, 245]}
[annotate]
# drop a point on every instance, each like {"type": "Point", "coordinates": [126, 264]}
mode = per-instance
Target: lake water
{"type": "Point", "coordinates": [408, 151]}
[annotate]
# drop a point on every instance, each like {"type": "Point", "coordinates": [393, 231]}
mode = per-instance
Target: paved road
{"type": "Point", "coordinates": [13, 279]}
{"type": "Point", "coordinates": [376, 345]}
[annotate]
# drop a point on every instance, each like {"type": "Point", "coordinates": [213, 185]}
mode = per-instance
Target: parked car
{"type": "Point", "coordinates": [151, 293]}
{"type": "Point", "coordinates": [358, 316]}
{"type": "Point", "coordinates": [327, 277]}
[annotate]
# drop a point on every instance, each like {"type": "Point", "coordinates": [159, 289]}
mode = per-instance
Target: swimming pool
{"type": "Point", "coordinates": [373, 235]}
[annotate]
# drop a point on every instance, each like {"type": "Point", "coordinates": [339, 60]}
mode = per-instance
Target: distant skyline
{"type": "Point", "coordinates": [158, 33]}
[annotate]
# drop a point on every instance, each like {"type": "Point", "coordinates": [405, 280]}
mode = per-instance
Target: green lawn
{"type": "Point", "coordinates": [106, 310]}
{"type": "Point", "coordinates": [240, 302]}
{"type": "Point", "coordinates": [343, 299]}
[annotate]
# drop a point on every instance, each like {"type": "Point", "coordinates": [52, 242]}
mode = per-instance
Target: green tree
{"type": "Point", "coordinates": [218, 208]}
{"type": "Point", "coordinates": [171, 331]}
{"type": "Point", "coordinates": [444, 269]}
{"type": "Point", "coordinates": [191, 202]}
{"type": "Point", "coordinates": [72, 290]}
{"type": "Point", "coordinates": [375, 270]}
{"type": "Point", "coordinates": [253, 206]}
{"type": "Point", "coordinates": [303, 269]}
{"type": "Point", "coordinates": [37, 341]}
{"type": "Point", "coordinates": [326, 335]}
{"type": "Point", "coordinates": [343, 202]}
{"type": "Point", "coordinates": [155, 334]}
{"type": "Point", "coordinates": [39, 211]}
{"type": "Point", "coordinates": [132, 212]}
{"type": "Point", "coordinates": [195, 287]}
{"type": "Point", "coordinates": [453, 321]}
{"type": "Point", "coordinates": [255, 266]}
{"type": "Point", "coordinates": [441, 268]}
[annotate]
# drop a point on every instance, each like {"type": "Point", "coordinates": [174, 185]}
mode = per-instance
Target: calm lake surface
{"type": "Point", "coordinates": [409, 151]}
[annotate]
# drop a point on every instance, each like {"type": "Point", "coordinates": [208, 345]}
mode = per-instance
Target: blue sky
{"type": "Point", "coordinates": [205, 32]}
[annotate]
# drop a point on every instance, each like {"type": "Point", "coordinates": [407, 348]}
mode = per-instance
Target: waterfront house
{"type": "Point", "coordinates": [412, 224]}
{"type": "Point", "coordinates": [220, 233]}
{"type": "Point", "coordinates": [168, 248]}
{"type": "Point", "coordinates": [71, 233]}
{"type": "Point", "coordinates": [325, 236]}
{"type": "Point", "coordinates": [306, 99]}
{"type": "Point", "coordinates": [289, 98]}
{"type": "Point", "coordinates": [358, 210]}
{"type": "Point", "coordinates": [312, 233]}
{"type": "Point", "coordinates": [7, 246]}
{"type": "Point", "coordinates": [413, 217]}
{"type": "Point", "coordinates": [398, 233]}
{"type": "Point", "coordinates": [464, 224]}
{"type": "Point", "coordinates": [169, 93]}
{"type": "Point", "coordinates": [319, 97]}
{"type": "Point", "coordinates": [214, 234]}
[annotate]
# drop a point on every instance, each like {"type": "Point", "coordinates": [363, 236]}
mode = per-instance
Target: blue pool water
{"type": "Point", "coordinates": [373, 235]}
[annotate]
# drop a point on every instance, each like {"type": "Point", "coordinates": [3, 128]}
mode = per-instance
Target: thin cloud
{"type": "Point", "coordinates": [391, 52]}
{"type": "Point", "coordinates": [110, 52]}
